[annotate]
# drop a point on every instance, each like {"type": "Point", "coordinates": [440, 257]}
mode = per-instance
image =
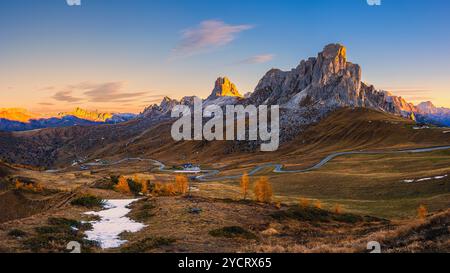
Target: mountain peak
{"type": "Point", "coordinates": [332, 51]}
{"type": "Point", "coordinates": [16, 114]}
{"type": "Point", "coordinates": [87, 115]}
{"type": "Point", "coordinates": [426, 104]}
{"type": "Point", "coordinates": [223, 87]}
{"type": "Point", "coordinates": [427, 107]}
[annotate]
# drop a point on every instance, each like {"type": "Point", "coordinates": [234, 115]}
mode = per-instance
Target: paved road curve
{"type": "Point", "coordinates": [210, 175]}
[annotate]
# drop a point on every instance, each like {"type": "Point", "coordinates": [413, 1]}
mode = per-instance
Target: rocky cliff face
{"type": "Point", "coordinates": [327, 81]}
{"type": "Point", "coordinates": [223, 87]}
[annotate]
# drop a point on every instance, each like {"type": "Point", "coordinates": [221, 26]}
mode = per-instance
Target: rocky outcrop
{"type": "Point", "coordinates": [325, 82]}
{"type": "Point", "coordinates": [225, 92]}
{"type": "Point", "coordinates": [223, 87]}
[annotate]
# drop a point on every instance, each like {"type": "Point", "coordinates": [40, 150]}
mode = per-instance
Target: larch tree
{"type": "Point", "coordinates": [338, 209]}
{"type": "Point", "coordinates": [122, 186]}
{"type": "Point", "coordinates": [263, 190]}
{"type": "Point", "coordinates": [304, 203]}
{"type": "Point", "coordinates": [144, 186]}
{"type": "Point", "coordinates": [245, 181]}
{"type": "Point", "coordinates": [422, 212]}
{"type": "Point", "coordinates": [318, 204]}
{"type": "Point", "coordinates": [182, 184]}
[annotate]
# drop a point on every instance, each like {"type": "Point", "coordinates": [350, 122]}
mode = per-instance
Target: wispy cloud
{"type": "Point", "coordinates": [65, 96]}
{"type": "Point", "coordinates": [258, 59]}
{"type": "Point", "coordinates": [210, 34]}
{"type": "Point", "coordinates": [412, 94]}
{"type": "Point", "coordinates": [408, 90]}
{"type": "Point", "coordinates": [110, 92]}
{"type": "Point", "coordinates": [98, 92]}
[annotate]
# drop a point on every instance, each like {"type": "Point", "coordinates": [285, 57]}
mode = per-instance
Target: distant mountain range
{"type": "Point", "coordinates": [426, 112]}
{"type": "Point", "coordinates": [16, 119]}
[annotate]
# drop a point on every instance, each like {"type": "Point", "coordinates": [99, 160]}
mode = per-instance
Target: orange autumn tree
{"type": "Point", "coordinates": [244, 185]}
{"type": "Point", "coordinates": [170, 189]}
{"type": "Point", "coordinates": [158, 188]}
{"type": "Point", "coordinates": [18, 184]}
{"type": "Point", "coordinates": [304, 202]}
{"type": "Point", "coordinates": [182, 184]}
{"type": "Point", "coordinates": [422, 212]}
{"type": "Point", "coordinates": [263, 190]}
{"type": "Point", "coordinates": [318, 204]}
{"type": "Point", "coordinates": [144, 188]}
{"type": "Point", "coordinates": [122, 186]}
{"type": "Point", "coordinates": [338, 209]}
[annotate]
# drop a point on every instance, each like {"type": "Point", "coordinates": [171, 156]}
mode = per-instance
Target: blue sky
{"type": "Point", "coordinates": [125, 54]}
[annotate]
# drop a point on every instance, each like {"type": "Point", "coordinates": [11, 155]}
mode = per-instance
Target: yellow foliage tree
{"type": "Point", "coordinates": [338, 209]}
{"type": "Point", "coordinates": [245, 181]}
{"type": "Point", "coordinates": [170, 189]}
{"type": "Point", "coordinates": [18, 184]}
{"type": "Point", "coordinates": [422, 212]}
{"type": "Point", "coordinates": [136, 179]}
{"type": "Point", "coordinates": [122, 186]}
{"type": "Point", "coordinates": [38, 187]}
{"type": "Point", "coordinates": [182, 184]}
{"type": "Point", "coordinates": [263, 190]}
{"type": "Point", "coordinates": [304, 202]}
{"type": "Point", "coordinates": [157, 188]}
{"type": "Point", "coordinates": [144, 188]}
{"type": "Point", "coordinates": [318, 204]}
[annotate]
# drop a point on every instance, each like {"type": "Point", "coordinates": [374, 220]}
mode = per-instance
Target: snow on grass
{"type": "Point", "coordinates": [113, 221]}
{"type": "Point", "coordinates": [425, 179]}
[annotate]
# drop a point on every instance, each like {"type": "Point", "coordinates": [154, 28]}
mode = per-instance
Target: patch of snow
{"type": "Point", "coordinates": [425, 179]}
{"type": "Point", "coordinates": [113, 221]}
{"type": "Point", "coordinates": [440, 177]}
{"type": "Point", "coordinates": [421, 127]}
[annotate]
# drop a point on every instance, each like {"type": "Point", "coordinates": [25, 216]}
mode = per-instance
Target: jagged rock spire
{"type": "Point", "coordinates": [223, 87]}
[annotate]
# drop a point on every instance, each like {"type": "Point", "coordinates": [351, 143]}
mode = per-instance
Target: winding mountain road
{"type": "Point", "coordinates": [210, 175]}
